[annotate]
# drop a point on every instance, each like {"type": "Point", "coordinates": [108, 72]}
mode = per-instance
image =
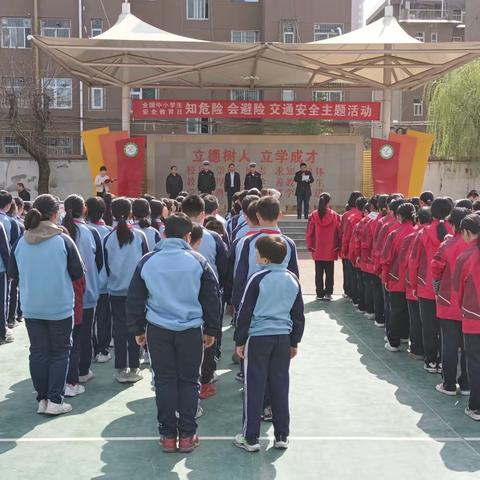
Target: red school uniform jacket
{"type": "Point", "coordinates": [352, 220]}
{"type": "Point", "coordinates": [355, 245]}
{"type": "Point", "coordinates": [379, 238]}
{"type": "Point", "coordinates": [466, 279]}
{"type": "Point", "coordinates": [323, 236]}
{"type": "Point", "coordinates": [393, 275]}
{"type": "Point", "coordinates": [420, 268]}
{"type": "Point", "coordinates": [443, 267]}
{"type": "Point", "coordinates": [404, 258]}
{"type": "Point", "coordinates": [367, 243]}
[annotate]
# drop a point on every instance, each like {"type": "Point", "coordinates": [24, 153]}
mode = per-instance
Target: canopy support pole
{"type": "Point", "coordinates": [126, 109]}
{"type": "Point", "coordinates": [386, 112]}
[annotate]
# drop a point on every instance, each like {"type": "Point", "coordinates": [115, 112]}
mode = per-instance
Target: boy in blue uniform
{"type": "Point", "coordinates": [270, 325]}
{"type": "Point", "coordinates": [179, 325]}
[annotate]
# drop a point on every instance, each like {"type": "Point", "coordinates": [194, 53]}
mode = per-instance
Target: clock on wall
{"type": "Point", "coordinates": [387, 151]}
{"type": "Point", "coordinates": [130, 149]}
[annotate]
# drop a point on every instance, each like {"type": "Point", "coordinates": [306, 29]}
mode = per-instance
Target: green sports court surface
{"type": "Point", "coordinates": [358, 412]}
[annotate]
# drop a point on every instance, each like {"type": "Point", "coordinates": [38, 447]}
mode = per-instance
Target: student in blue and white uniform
{"type": "Point", "coordinates": [46, 261]}
{"type": "Point", "coordinates": [6, 333]}
{"type": "Point", "coordinates": [270, 325]}
{"type": "Point", "coordinates": [123, 248]}
{"type": "Point", "coordinates": [102, 329]}
{"type": "Point", "coordinates": [89, 245]}
{"type": "Point", "coordinates": [141, 213]}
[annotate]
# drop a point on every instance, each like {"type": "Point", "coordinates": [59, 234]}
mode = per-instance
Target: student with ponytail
{"type": "Point", "coordinates": [46, 262]}
{"type": "Point", "coordinates": [89, 245]}
{"type": "Point", "coordinates": [123, 248]}
{"type": "Point", "coordinates": [421, 279]}
{"type": "Point", "coordinates": [102, 328]}
{"type": "Point", "coordinates": [323, 241]}
{"type": "Point", "coordinates": [394, 277]}
{"type": "Point", "coordinates": [141, 214]}
{"type": "Point", "coordinates": [467, 282]}
{"type": "Point", "coordinates": [158, 212]}
{"type": "Point", "coordinates": [448, 308]}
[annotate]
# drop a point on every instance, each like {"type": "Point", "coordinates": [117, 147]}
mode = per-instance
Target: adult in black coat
{"type": "Point", "coordinates": [174, 183]}
{"type": "Point", "coordinates": [206, 179]}
{"type": "Point", "coordinates": [303, 192]}
{"type": "Point", "coordinates": [253, 179]}
{"type": "Point", "coordinates": [232, 184]}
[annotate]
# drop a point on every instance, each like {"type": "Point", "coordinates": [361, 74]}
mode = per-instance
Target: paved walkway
{"type": "Point", "coordinates": [357, 412]}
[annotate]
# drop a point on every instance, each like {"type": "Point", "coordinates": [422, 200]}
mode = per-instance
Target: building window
{"type": "Point", "coordinates": [97, 98]}
{"type": "Point", "coordinates": [197, 9]}
{"type": "Point", "coordinates": [143, 94]}
{"type": "Point", "coordinates": [11, 147]}
{"type": "Point", "coordinates": [244, 36]}
{"type": "Point", "coordinates": [96, 27]}
{"type": "Point", "coordinates": [198, 126]}
{"type": "Point", "coordinates": [245, 94]}
{"type": "Point", "coordinates": [52, 27]}
{"type": "Point", "coordinates": [289, 31]}
{"type": "Point", "coordinates": [288, 95]}
{"type": "Point", "coordinates": [15, 32]}
{"type": "Point", "coordinates": [57, 146]}
{"type": "Point", "coordinates": [434, 37]}
{"type": "Point", "coordinates": [15, 85]}
{"type": "Point", "coordinates": [420, 36]}
{"type": "Point", "coordinates": [457, 15]}
{"type": "Point", "coordinates": [322, 31]}
{"type": "Point", "coordinates": [457, 39]}
{"type": "Point", "coordinates": [59, 92]}
{"type": "Point", "coordinates": [418, 108]}
{"type": "Point", "coordinates": [328, 96]}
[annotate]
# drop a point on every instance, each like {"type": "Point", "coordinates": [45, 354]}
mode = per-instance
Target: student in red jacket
{"type": "Point", "coordinates": [420, 272]}
{"type": "Point", "coordinates": [355, 215]}
{"type": "Point", "coordinates": [415, 351]}
{"type": "Point", "coordinates": [323, 240]}
{"type": "Point", "coordinates": [343, 222]}
{"type": "Point", "coordinates": [467, 281]}
{"type": "Point", "coordinates": [394, 277]}
{"type": "Point", "coordinates": [448, 308]}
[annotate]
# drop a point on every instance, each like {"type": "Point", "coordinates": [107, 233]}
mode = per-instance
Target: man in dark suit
{"type": "Point", "coordinates": [232, 184]}
{"type": "Point", "coordinates": [303, 179]}
{"type": "Point", "coordinates": [206, 179]}
{"type": "Point", "coordinates": [174, 183]}
{"type": "Point", "coordinates": [253, 179]}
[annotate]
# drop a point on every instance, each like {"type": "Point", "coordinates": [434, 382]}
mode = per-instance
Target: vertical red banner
{"type": "Point", "coordinates": [385, 165]}
{"type": "Point", "coordinates": [131, 170]}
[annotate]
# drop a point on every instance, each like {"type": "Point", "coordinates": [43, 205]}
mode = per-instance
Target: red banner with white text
{"type": "Point", "coordinates": [348, 111]}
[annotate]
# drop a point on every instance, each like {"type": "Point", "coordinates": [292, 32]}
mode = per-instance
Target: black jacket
{"type": "Point", "coordinates": [174, 184]}
{"type": "Point", "coordinates": [236, 183]}
{"type": "Point", "coordinates": [24, 195]}
{"type": "Point", "coordinates": [206, 182]}
{"type": "Point", "coordinates": [253, 181]}
{"type": "Point", "coordinates": [303, 187]}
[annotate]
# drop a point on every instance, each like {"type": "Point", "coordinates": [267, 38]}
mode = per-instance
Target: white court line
{"type": "Point", "coordinates": [214, 439]}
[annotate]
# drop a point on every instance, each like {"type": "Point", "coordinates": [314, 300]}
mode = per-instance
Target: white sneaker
{"type": "Point", "coordinates": [102, 358]}
{"type": "Point", "coordinates": [370, 316]}
{"type": "Point", "coordinates": [441, 388]}
{"type": "Point", "coordinates": [379, 325]}
{"type": "Point", "coordinates": [405, 340]}
{"type": "Point", "coordinates": [57, 408]}
{"type": "Point", "coordinates": [473, 414]}
{"type": "Point", "coordinates": [74, 390]}
{"type": "Point", "coordinates": [87, 377]}
{"type": "Point", "coordinates": [9, 337]}
{"type": "Point", "coordinates": [42, 406]}
{"type": "Point", "coordinates": [241, 442]}
{"type": "Point", "coordinates": [199, 412]}
{"type": "Point", "coordinates": [121, 375]}
{"type": "Point", "coordinates": [281, 444]}
{"type": "Point", "coordinates": [134, 375]}
{"type": "Point", "coordinates": [390, 348]}
{"type": "Point", "coordinates": [430, 367]}
{"type": "Point", "coordinates": [145, 358]}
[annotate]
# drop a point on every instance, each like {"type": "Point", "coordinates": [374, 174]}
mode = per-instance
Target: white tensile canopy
{"type": "Point", "coordinates": [133, 53]}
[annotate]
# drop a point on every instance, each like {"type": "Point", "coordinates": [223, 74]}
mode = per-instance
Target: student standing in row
{"type": "Point", "coordinates": [46, 262]}
{"type": "Point", "coordinates": [123, 248]}
{"type": "Point", "coordinates": [178, 327]}
{"type": "Point", "coordinates": [323, 241]}
{"type": "Point", "coordinates": [141, 214]}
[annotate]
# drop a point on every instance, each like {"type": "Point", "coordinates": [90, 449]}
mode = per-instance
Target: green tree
{"type": "Point", "coordinates": [454, 113]}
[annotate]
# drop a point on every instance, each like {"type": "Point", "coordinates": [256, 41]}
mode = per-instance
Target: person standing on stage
{"type": "Point", "coordinates": [23, 193]}
{"type": "Point", "coordinates": [206, 179]}
{"type": "Point", "coordinates": [253, 179]}
{"type": "Point", "coordinates": [303, 179]}
{"type": "Point", "coordinates": [232, 184]}
{"type": "Point", "coordinates": [174, 183]}
{"type": "Point", "coordinates": [102, 182]}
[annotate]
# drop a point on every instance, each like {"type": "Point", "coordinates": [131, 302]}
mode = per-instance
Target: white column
{"type": "Point", "coordinates": [126, 109]}
{"type": "Point", "coordinates": [386, 112]}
